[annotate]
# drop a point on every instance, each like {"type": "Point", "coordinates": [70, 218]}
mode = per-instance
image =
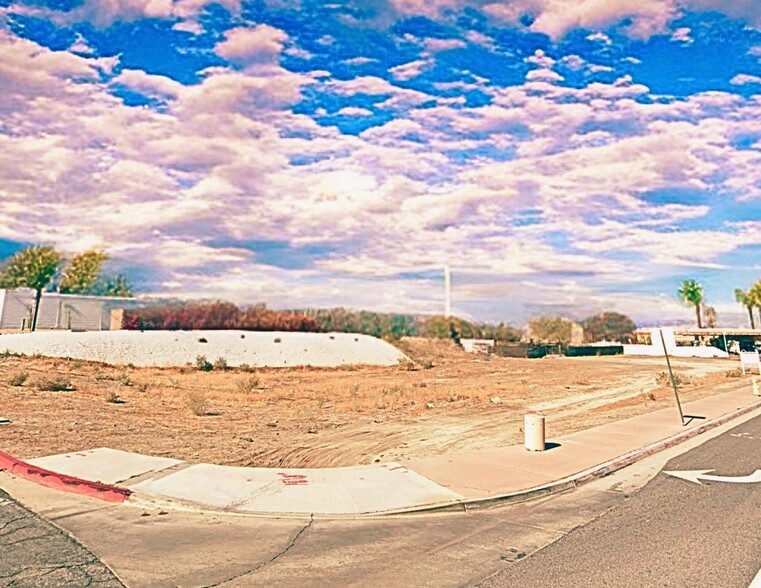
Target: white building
{"type": "Point", "coordinates": [62, 311]}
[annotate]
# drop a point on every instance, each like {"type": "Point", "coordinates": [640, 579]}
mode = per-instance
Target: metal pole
{"type": "Point", "coordinates": [671, 375]}
{"type": "Point", "coordinates": [448, 292]}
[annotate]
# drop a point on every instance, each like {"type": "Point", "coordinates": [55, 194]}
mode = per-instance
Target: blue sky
{"type": "Point", "coordinates": [562, 156]}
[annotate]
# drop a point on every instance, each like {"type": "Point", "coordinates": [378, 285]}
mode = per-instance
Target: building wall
{"type": "Point", "coordinates": [56, 311]}
{"type": "Point", "coordinates": [16, 309]}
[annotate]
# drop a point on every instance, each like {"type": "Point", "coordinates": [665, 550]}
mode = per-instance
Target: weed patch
{"type": "Point", "coordinates": [18, 379]}
{"type": "Point", "coordinates": [55, 385]}
{"type": "Point", "coordinates": [247, 385]}
{"type": "Point", "coordinates": [198, 403]}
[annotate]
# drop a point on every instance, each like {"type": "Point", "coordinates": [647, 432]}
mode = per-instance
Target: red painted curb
{"type": "Point", "coordinates": [61, 481]}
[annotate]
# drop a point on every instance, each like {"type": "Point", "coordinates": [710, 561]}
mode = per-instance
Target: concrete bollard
{"type": "Point", "coordinates": [533, 432]}
{"type": "Point", "coordinates": [756, 391]}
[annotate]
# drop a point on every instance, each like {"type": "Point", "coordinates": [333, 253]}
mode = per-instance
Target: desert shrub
{"type": "Point", "coordinates": [55, 385]}
{"type": "Point", "coordinates": [198, 403]}
{"type": "Point", "coordinates": [18, 379]}
{"type": "Point", "coordinates": [734, 373]}
{"type": "Point", "coordinates": [247, 385]}
{"type": "Point", "coordinates": [244, 367]}
{"type": "Point", "coordinates": [112, 397]}
{"type": "Point", "coordinates": [202, 364]}
{"type": "Point", "coordinates": [220, 363]}
{"type": "Point", "coordinates": [663, 379]}
{"type": "Point", "coordinates": [407, 365]}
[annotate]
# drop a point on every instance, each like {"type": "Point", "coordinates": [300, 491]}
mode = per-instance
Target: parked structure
{"type": "Point", "coordinates": [62, 311]}
{"type": "Point", "coordinates": [650, 343]}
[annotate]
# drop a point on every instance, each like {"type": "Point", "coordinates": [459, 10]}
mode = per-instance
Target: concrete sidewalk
{"type": "Point", "coordinates": [460, 481]}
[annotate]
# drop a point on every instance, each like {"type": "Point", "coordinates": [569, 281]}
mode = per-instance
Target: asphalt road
{"type": "Point", "coordinates": [671, 533]}
{"type": "Point", "coordinates": [34, 553]}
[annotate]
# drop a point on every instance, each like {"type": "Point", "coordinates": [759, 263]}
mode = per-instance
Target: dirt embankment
{"type": "Point", "coordinates": [446, 401]}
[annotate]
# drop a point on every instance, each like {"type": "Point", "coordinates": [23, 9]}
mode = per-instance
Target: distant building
{"type": "Point", "coordinates": [62, 311]}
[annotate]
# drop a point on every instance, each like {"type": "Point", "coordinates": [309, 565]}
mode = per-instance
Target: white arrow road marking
{"type": "Point", "coordinates": [756, 583]}
{"type": "Point", "coordinates": [697, 475]}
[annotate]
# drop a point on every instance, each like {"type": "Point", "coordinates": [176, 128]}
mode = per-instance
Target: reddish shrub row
{"type": "Point", "coordinates": [215, 316]}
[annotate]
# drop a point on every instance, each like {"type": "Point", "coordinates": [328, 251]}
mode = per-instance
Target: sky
{"type": "Point", "coordinates": [562, 156]}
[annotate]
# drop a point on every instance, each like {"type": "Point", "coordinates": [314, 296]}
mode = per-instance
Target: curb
{"type": "Point", "coordinates": [63, 482]}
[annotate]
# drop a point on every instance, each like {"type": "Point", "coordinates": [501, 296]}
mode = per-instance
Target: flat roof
{"type": "Point", "coordinates": [700, 332]}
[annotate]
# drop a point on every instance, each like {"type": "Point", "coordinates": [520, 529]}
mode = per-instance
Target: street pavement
{"type": "Point", "coordinates": [35, 553]}
{"type": "Point", "coordinates": [674, 532]}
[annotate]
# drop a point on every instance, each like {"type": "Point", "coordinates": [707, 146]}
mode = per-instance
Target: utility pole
{"type": "Point", "coordinates": [447, 291]}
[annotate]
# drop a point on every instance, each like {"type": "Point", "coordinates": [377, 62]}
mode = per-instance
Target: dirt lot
{"type": "Point", "coordinates": [446, 401]}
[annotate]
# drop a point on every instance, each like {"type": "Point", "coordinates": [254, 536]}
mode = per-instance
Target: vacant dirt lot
{"type": "Point", "coordinates": [446, 401]}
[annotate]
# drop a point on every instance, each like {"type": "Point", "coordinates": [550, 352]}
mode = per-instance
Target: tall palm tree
{"type": "Point", "coordinates": [691, 292]}
{"type": "Point", "coordinates": [744, 298]}
{"type": "Point", "coordinates": [754, 297]}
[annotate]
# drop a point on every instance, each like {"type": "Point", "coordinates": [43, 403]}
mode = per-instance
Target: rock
{"type": "Point", "coordinates": [495, 400]}
{"type": "Point", "coordinates": [272, 423]}
{"type": "Point", "coordinates": [430, 405]}
{"type": "Point", "coordinates": [312, 430]}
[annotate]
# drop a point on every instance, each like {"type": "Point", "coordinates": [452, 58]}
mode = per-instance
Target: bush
{"type": "Point", "coordinates": [202, 364]}
{"type": "Point", "coordinates": [18, 379]}
{"type": "Point", "coordinates": [247, 385]}
{"type": "Point", "coordinates": [663, 379]}
{"type": "Point", "coordinates": [56, 385]}
{"type": "Point", "coordinates": [220, 364]}
{"type": "Point", "coordinates": [198, 403]}
{"type": "Point", "coordinates": [216, 316]}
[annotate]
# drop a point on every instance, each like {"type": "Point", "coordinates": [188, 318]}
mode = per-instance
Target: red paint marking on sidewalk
{"type": "Point", "coordinates": [61, 481]}
{"type": "Point", "coordinates": [293, 479]}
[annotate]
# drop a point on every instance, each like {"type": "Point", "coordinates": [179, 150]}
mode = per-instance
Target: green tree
{"type": "Point", "coordinates": [117, 285]}
{"type": "Point", "coordinates": [82, 272]}
{"type": "Point", "coordinates": [691, 292]}
{"type": "Point", "coordinates": [551, 329]}
{"type": "Point", "coordinates": [608, 326]}
{"type": "Point", "coordinates": [33, 267]}
{"type": "Point", "coordinates": [744, 298]}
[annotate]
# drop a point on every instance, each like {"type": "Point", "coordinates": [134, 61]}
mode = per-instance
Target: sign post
{"type": "Point", "coordinates": [671, 375]}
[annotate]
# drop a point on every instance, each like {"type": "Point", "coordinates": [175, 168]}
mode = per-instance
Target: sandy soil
{"type": "Point", "coordinates": [447, 401]}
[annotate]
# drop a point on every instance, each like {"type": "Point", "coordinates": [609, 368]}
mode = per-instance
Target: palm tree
{"type": "Point", "coordinates": [744, 298]}
{"type": "Point", "coordinates": [691, 292]}
{"type": "Point", "coordinates": [754, 297]}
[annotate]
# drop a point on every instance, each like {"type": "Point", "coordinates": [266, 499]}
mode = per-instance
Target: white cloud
{"type": "Point", "coordinates": [409, 70]}
{"type": "Point", "coordinates": [682, 35]}
{"type": "Point", "coordinates": [214, 165]}
{"type": "Point", "coordinates": [259, 45]}
{"type": "Point", "coordinates": [354, 111]}
{"type": "Point", "coordinates": [743, 79]}
{"type": "Point", "coordinates": [104, 13]}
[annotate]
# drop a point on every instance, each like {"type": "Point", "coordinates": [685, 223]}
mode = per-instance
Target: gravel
{"type": "Point", "coordinates": [178, 348]}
